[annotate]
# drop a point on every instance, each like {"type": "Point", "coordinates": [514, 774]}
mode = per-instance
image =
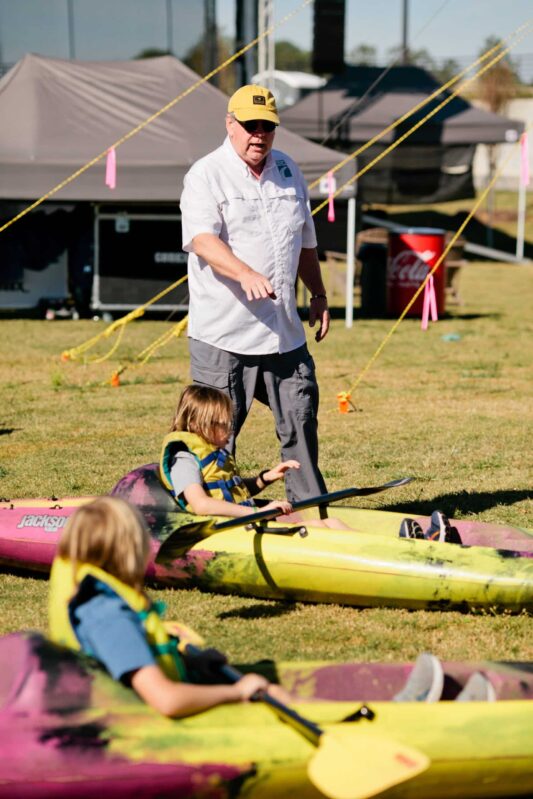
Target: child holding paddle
{"type": "Point", "coordinates": [98, 606]}
{"type": "Point", "coordinates": [201, 474]}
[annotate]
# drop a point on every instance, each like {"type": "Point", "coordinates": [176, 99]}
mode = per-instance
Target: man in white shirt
{"type": "Point", "coordinates": [247, 227]}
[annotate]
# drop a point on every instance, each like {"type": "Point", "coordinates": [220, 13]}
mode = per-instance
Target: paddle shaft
{"type": "Point", "coordinates": [346, 763]}
{"type": "Point", "coordinates": [307, 728]}
{"type": "Point", "coordinates": [322, 499]}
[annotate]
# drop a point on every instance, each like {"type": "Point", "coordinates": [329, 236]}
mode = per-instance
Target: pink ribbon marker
{"type": "Point", "coordinates": [430, 303]}
{"type": "Point", "coordinates": [524, 160]}
{"type": "Point", "coordinates": [331, 192]}
{"type": "Point", "coordinates": [111, 169]}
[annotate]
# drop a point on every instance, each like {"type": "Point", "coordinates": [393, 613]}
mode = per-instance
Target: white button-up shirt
{"type": "Point", "coordinates": [265, 222]}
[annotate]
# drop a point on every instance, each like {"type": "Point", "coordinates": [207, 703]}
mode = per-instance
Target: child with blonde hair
{"type": "Point", "coordinates": [201, 473]}
{"type": "Point", "coordinates": [98, 606]}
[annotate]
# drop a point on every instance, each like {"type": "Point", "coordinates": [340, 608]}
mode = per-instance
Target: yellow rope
{"type": "Point", "coordinates": [431, 97]}
{"type": "Point", "coordinates": [75, 352]}
{"type": "Point", "coordinates": [147, 353]}
{"type": "Point", "coordinates": [441, 258]}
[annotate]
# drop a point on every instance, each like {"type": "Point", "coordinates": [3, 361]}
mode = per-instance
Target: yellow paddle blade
{"type": "Point", "coordinates": [354, 763]}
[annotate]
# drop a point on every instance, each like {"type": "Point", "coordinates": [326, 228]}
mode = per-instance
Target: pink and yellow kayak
{"type": "Point", "coordinates": [367, 565]}
{"type": "Point", "coordinates": [69, 730]}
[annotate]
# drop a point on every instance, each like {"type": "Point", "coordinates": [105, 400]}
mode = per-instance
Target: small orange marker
{"type": "Point", "coordinates": [115, 380]}
{"type": "Point", "coordinates": [65, 356]}
{"type": "Point", "coordinates": [343, 399]}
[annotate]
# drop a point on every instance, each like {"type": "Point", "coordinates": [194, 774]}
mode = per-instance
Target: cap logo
{"type": "Point", "coordinates": [258, 99]}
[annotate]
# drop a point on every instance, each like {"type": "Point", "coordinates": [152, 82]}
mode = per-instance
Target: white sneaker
{"type": "Point", "coordinates": [425, 682]}
{"type": "Point", "coordinates": [478, 688]}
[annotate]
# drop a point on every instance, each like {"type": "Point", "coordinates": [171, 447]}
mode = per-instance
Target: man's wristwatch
{"type": "Point", "coordinates": [319, 297]}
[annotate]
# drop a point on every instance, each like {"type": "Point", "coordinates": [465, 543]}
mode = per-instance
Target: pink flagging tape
{"type": "Point", "coordinates": [331, 194]}
{"type": "Point", "coordinates": [111, 169]}
{"type": "Point", "coordinates": [524, 159]}
{"type": "Point", "coordinates": [430, 304]}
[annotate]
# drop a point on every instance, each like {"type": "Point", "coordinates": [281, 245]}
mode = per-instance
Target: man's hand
{"type": "Point", "coordinates": [256, 286]}
{"type": "Point", "coordinates": [319, 312]}
{"type": "Point", "coordinates": [221, 259]}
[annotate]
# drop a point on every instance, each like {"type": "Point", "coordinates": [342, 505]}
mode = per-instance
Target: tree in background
{"type": "Point", "coordinates": [446, 70]}
{"type": "Point", "coordinates": [151, 52]}
{"type": "Point", "coordinates": [420, 58]}
{"type": "Point", "coordinates": [499, 84]}
{"type": "Point", "coordinates": [289, 57]}
{"type": "Point", "coordinates": [195, 59]}
{"type": "Point", "coordinates": [495, 88]}
{"type": "Point", "coordinates": [364, 54]}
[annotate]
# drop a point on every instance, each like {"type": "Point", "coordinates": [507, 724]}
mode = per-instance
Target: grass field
{"type": "Point", "coordinates": [455, 414]}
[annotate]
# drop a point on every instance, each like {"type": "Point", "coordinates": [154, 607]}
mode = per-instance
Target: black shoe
{"type": "Point", "coordinates": [441, 530]}
{"type": "Point", "coordinates": [409, 528]}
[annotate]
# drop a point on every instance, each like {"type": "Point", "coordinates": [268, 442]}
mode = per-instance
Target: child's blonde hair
{"type": "Point", "coordinates": [200, 408]}
{"type": "Point", "coordinates": [109, 533]}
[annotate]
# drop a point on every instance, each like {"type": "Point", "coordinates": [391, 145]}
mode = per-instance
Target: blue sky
{"type": "Point", "coordinates": [456, 27]}
{"type": "Point", "coordinates": [120, 28]}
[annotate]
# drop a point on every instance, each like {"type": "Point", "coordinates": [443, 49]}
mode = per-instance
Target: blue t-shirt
{"type": "Point", "coordinates": [109, 630]}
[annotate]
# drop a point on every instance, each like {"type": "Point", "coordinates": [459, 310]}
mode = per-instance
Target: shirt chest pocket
{"type": "Point", "coordinates": [243, 217]}
{"type": "Point", "coordinates": [288, 208]}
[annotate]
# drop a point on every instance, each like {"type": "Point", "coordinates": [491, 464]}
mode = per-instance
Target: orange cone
{"type": "Point", "coordinates": [343, 399]}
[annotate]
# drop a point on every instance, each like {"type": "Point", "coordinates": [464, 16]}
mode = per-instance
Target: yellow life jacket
{"type": "Point", "coordinates": [65, 582]}
{"type": "Point", "coordinates": [219, 470]}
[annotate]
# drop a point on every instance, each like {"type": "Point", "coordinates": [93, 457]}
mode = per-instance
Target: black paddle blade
{"type": "Point", "coordinates": [182, 539]}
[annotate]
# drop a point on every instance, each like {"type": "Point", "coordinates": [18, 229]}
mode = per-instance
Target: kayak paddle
{"type": "Point", "coordinates": [318, 502]}
{"type": "Point", "coordinates": [350, 762]}
{"type": "Point", "coordinates": [189, 534]}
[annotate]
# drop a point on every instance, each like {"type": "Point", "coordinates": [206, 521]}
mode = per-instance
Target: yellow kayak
{"type": "Point", "coordinates": [69, 730]}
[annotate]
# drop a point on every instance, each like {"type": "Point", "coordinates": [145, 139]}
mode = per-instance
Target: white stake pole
{"type": "Point", "coordinates": [350, 261]}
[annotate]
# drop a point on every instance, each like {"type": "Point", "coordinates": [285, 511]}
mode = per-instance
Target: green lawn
{"type": "Point", "coordinates": [457, 415]}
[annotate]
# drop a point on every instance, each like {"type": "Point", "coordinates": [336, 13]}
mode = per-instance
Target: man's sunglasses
{"type": "Point", "coordinates": [253, 125]}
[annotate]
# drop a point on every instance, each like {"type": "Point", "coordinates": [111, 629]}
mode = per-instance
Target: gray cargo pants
{"type": "Point", "coordinates": [287, 384]}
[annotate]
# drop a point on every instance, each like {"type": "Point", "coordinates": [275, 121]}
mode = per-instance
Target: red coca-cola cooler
{"type": "Point", "coordinates": [413, 252]}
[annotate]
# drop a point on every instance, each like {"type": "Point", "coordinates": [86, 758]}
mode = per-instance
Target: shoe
{"type": "Point", "coordinates": [409, 528]}
{"type": "Point", "coordinates": [478, 688]}
{"type": "Point", "coordinates": [425, 682]}
{"type": "Point", "coordinates": [441, 530]}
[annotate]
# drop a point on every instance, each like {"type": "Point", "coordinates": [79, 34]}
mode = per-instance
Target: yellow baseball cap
{"type": "Point", "coordinates": [253, 102]}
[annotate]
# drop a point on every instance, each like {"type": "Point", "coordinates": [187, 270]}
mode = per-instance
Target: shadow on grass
{"type": "Point", "coordinates": [6, 431]}
{"type": "Point", "coordinates": [462, 503]}
{"type": "Point", "coordinates": [266, 611]}
{"type": "Point", "coordinates": [337, 312]}
{"type": "Point", "coordinates": [18, 571]}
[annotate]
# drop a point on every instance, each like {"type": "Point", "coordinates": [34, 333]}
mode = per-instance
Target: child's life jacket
{"type": "Point", "coordinates": [221, 478]}
{"type": "Point", "coordinates": [67, 586]}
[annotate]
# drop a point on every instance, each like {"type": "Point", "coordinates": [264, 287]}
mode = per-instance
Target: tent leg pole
{"type": "Point", "coordinates": [521, 221]}
{"type": "Point", "coordinates": [350, 261]}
